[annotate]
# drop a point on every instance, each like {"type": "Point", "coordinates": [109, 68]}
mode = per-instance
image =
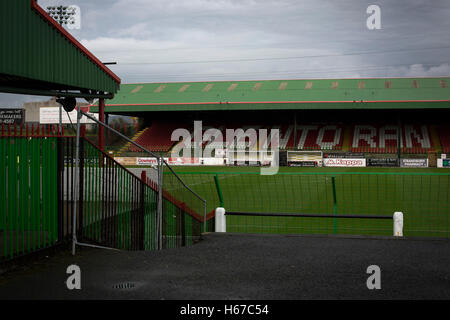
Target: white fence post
{"type": "Point", "coordinates": [220, 220]}
{"type": "Point", "coordinates": [398, 224]}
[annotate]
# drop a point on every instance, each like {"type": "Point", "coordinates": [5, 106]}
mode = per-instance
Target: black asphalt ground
{"type": "Point", "coordinates": [237, 266]}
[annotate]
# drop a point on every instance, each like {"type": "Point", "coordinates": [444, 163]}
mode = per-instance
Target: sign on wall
{"type": "Point", "coordinates": [446, 163]}
{"type": "Point", "coordinates": [336, 162]}
{"type": "Point", "coordinates": [12, 116]}
{"type": "Point", "coordinates": [382, 162]}
{"type": "Point", "coordinates": [50, 115]}
{"type": "Point", "coordinates": [414, 163]}
{"type": "Point", "coordinates": [443, 163]}
{"type": "Point", "coordinates": [303, 164]}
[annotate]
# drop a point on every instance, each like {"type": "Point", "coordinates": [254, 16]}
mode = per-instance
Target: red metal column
{"type": "Point", "coordinates": [101, 130]}
{"type": "Point", "coordinates": [82, 130]}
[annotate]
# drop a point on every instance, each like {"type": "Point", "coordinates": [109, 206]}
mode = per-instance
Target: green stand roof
{"type": "Point", "coordinates": [389, 93]}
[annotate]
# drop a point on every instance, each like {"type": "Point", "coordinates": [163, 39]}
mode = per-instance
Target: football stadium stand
{"type": "Point", "coordinates": [156, 137]}
{"type": "Point", "coordinates": [348, 115]}
{"type": "Point", "coordinates": [372, 138]}
{"type": "Point", "coordinates": [444, 137]}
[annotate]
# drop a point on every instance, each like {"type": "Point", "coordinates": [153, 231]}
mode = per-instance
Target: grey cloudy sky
{"type": "Point", "coordinates": [204, 40]}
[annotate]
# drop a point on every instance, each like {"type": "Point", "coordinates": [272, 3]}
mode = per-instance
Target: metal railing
{"type": "Point", "coordinates": [44, 182]}
{"type": "Point", "coordinates": [161, 233]}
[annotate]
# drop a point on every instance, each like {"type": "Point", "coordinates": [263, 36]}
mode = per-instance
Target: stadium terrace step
{"type": "Point", "coordinates": [157, 137]}
{"type": "Point", "coordinates": [128, 144]}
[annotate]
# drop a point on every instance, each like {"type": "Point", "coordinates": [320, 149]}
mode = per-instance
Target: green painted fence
{"type": "Point", "coordinates": [28, 194]}
{"type": "Point", "coordinates": [116, 208]}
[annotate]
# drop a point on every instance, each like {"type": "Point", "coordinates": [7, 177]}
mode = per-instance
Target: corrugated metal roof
{"type": "Point", "coordinates": [297, 94]}
{"type": "Point", "coordinates": [35, 48]}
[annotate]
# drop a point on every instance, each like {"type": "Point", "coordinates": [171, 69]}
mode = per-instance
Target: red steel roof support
{"type": "Point", "coordinates": [101, 129]}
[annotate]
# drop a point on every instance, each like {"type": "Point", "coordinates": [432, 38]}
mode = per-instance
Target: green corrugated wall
{"type": "Point", "coordinates": [32, 48]}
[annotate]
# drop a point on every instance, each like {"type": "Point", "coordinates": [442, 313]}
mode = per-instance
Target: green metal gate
{"type": "Point", "coordinates": [28, 193]}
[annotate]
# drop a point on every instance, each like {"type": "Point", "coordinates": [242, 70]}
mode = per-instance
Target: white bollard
{"type": "Point", "coordinates": [221, 221]}
{"type": "Point", "coordinates": [398, 224]}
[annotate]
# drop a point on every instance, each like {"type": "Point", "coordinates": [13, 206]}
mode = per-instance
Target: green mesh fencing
{"type": "Point", "coordinates": [183, 213]}
{"type": "Point", "coordinates": [422, 197]}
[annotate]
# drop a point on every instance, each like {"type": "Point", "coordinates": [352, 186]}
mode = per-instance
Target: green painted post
{"type": "Point", "coordinates": [54, 184]}
{"type": "Point", "coordinates": [92, 169]}
{"type": "Point", "coordinates": [122, 210]}
{"type": "Point", "coordinates": [144, 219]}
{"type": "Point", "coordinates": [12, 193]}
{"type": "Point", "coordinates": [94, 193]}
{"type": "Point", "coordinates": [44, 200]}
{"type": "Point", "coordinates": [3, 222]}
{"type": "Point", "coordinates": [141, 185]}
{"type": "Point", "coordinates": [87, 172]}
{"type": "Point", "coordinates": [35, 195]}
{"type": "Point", "coordinates": [81, 188]}
{"type": "Point", "coordinates": [127, 222]}
{"type": "Point", "coordinates": [219, 190]}
{"type": "Point", "coordinates": [98, 192]}
{"type": "Point", "coordinates": [333, 184]}
{"type": "Point", "coordinates": [119, 209]}
{"type": "Point", "coordinates": [48, 182]}
{"type": "Point", "coordinates": [23, 195]}
{"type": "Point", "coordinates": [27, 192]}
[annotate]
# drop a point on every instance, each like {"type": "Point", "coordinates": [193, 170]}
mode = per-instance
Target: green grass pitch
{"type": "Point", "coordinates": [421, 194]}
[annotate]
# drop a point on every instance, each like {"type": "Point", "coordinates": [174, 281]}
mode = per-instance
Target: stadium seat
{"type": "Point", "coordinates": [370, 138]}
{"type": "Point", "coordinates": [444, 137]}
{"type": "Point", "coordinates": [311, 137]}
{"type": "Point", "coordinates": [157, 137]}
{"type": "Point", "coordinates": [375, 138]}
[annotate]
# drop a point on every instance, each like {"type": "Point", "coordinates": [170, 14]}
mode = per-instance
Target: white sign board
{"type": "Point", "coordinates": [50, 115]}
{"type": "Point", "coordinates": [414, 163]}
{"type": "Point", "coordinates": [180, 161]}
{"type": "Point", "coordinates": [344, 162]}
{"type": "Point", "coordinates": [147, 161]}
